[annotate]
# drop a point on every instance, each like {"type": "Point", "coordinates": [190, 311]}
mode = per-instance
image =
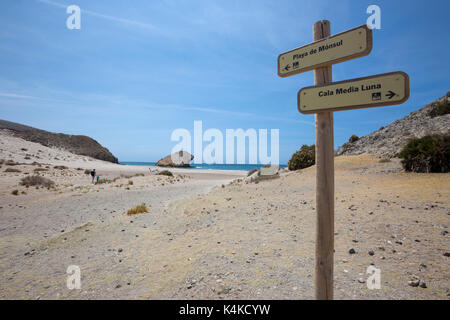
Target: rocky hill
{"type": "Point", "coordinates": [77, 144]}
{"type": "Point", "coordinates": [389, 141]}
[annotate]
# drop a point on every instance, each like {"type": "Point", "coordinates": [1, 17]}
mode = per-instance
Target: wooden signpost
{"type": "Point", "coordinates": [323, 99]}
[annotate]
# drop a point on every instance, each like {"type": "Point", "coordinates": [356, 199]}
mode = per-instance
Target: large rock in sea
{"type": "Point", "coordinates": [177, 159]}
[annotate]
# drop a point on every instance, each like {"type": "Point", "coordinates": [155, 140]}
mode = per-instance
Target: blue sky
{"type": "Point", "coordinates": [139, 69]}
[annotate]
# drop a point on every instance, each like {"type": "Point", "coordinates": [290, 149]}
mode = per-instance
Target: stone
{"type": "Point", "coordinates": [177, 159]}
{"type": "Point", "coordinates": [351, 251]}
{"type": "Point", "coordinates": [414, 283]}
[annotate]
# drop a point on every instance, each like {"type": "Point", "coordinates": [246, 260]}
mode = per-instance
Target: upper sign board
{"type": "Point", "coordinates": [341, 47]}
{"type": "Point", "coordinates": [375, 91]}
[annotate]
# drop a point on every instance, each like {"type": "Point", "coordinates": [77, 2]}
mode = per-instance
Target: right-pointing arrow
{"type": "Point", "coordinates": [391, 94]}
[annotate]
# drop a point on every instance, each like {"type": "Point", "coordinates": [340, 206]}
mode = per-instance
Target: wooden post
{"type": "Point", "coordinates": [324, 183]}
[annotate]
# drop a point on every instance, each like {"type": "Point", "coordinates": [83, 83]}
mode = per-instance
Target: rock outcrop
{"type": "Point", "coordinates": [77, 144]}
{"type": "Point", "coordinates": [177, 159]}
{"type": "Point", "coordinates": [389, 141]}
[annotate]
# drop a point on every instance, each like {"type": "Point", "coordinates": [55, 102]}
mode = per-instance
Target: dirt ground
{"type": "Point", "coordinates": [214, 238]}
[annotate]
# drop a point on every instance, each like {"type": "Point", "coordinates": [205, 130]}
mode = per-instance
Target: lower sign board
{"type": "Point", "coordinates": [374, 91]}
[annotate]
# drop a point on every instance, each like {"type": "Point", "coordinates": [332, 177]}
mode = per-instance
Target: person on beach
{"type": "Point", "coordinates": [93, 175]}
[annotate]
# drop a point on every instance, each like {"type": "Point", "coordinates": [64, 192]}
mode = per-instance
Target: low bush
{"type": "Point", "coordinates": [37, 181]}
{"type": "Point", "coordinates": [353, 138]}
{"type": "Point", "coordinates": [165, 173]}
{"type": "Point", "coordinates": [40, 170]}
{"type": "Point", "coordinates": [12, 170]}
{"type": "Point", "coordinates": [439, 109]}
{"type": "Point", "coordinates": [251, 172]}
{"type": "Point", "coordinates": [15, 192]}
{"type": "Point", "coordinates": [138, 209]}
{"type": "Point", "coordinates": [87, 171]}
{"type": "Point", "coordinates": [303, 158]}
{"type": "Point", "coordinates": [61, 167]}
{"type": "Point", "coordinates": [428, 154]}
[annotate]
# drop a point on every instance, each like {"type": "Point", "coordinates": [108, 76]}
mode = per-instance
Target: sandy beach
{"type": "Point", "coordinates": [212, 235]}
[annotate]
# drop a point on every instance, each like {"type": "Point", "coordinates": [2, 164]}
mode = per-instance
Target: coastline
{"type": "Point", "coordinates": [205, 166]}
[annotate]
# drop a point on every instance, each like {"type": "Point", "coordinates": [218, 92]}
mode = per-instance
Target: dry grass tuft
{"type": "Point", "coordinates": [142, 208]}
{"type": "Point", "coordinates": [165, 173]}
{"type": "Point", "coordinates": [37, 181]}
{"type": "Point", "coordinates": [102, 181]}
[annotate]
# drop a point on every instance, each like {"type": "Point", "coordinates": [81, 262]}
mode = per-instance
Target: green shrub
{"type": "Point", "coordinates": [427, 154]}
{"type": "Point", "coordinates": [251, 172]}
{"type": "Point", "coordinates": [15, 192]}
{"type": "Point", "coordinates": [40, 170]}
{"type": "Point", "coordinates": [37, 181]}
{"type": "Point", "coordinates": [303, 158]}
{"type": "Point", "coordinates": [439, 109]}
{"type": "Point", "coordinates": [353, 138]}
{"type": "Point", "coordinates": [165, 173]}
{"type": "Point", "coordinates": [12, 170]}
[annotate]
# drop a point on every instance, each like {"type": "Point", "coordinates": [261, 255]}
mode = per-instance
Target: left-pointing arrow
{"type": "Point", "coordinates": [391, 94]}
{"type": "Point", "coordinates": [287, 67]}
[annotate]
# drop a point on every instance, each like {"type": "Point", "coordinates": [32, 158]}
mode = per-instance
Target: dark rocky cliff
{"type": "Point", "coordinates": [77, 144]}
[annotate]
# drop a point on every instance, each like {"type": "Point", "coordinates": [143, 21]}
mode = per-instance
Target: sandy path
{"type": "Point", "coordinates": [243, 241]}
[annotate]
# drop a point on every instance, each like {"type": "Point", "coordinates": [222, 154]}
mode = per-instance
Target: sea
{"type": "Point", "coordinates": [204, 166]}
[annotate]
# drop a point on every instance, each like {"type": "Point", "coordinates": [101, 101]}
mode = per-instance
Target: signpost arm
{"type": "Point", "coordinates": [324, 183]}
